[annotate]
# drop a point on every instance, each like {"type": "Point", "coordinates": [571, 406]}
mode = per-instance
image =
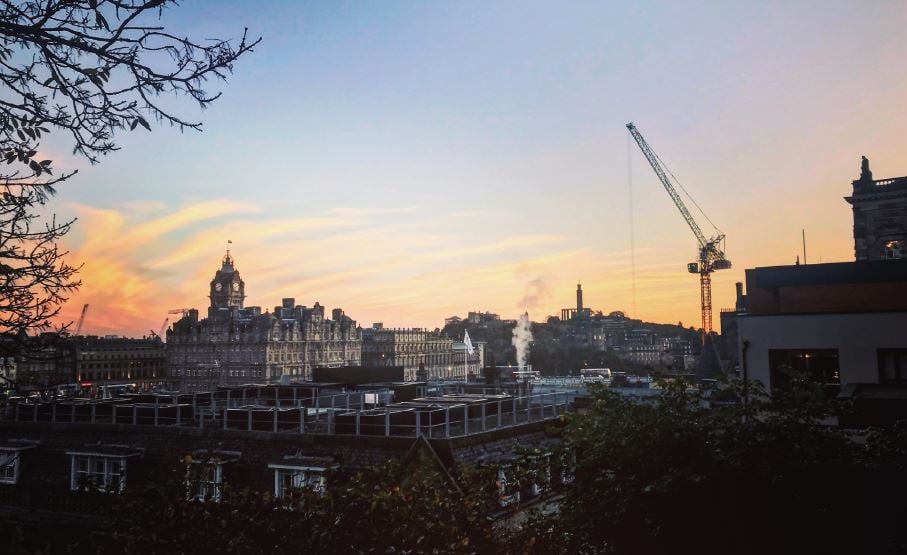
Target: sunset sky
{"type": "Point", "coordinates": [412, 161]}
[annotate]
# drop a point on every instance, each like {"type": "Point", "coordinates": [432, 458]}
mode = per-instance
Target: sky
{"type": "Point", "coordinates": [410, 161]}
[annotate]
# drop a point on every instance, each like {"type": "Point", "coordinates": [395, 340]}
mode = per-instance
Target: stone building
{"type": "Point", "coordinates": [105, 361]}
{"type": "Point", "coordinates": [879, 216]}
{"type": "Point", "coordinates": [45, 361]}
{"type": "Point", "coordinates": [86, 364]}
{"type": "Point", "coordinates": [415, 348]}
{"type": "Point", "coordinates": [236, 344]}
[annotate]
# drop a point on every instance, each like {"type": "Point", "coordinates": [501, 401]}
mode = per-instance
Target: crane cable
{"type": "Point", "coordinates": [689, 196]}
{"type": "Point", "coordinates": [632, 232]}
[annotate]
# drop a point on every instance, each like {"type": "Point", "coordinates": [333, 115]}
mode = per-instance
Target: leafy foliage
{"type": "Point", "coordinates": [370, 512]}
{"type": "Point", "coordinates": [769, 475]}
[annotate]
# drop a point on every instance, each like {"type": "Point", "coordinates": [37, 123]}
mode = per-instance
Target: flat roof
{"type": "Point", "coordinates": [105, 451]}
{"type": "Point", "coordinates": [16, 446]}
{"type": "Point", "coordinates": [862, 271]}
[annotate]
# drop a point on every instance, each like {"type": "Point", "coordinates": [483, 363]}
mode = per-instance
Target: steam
{"type": "Point", "coordinates": [522, 336]}
{"type": "Point", "coordinates": [538, 290]}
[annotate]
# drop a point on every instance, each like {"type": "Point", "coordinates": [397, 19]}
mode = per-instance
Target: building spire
{"type": "Point", "coordinates": [228, 259]}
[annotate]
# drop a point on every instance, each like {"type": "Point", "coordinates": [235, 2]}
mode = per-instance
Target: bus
{"type": "Point", "coordinates": [532, 376]}
{"type": "Point", "coordinates": [595, 375]}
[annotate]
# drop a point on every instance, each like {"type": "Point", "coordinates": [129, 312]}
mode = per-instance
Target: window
{"type": "Point", "coordinates": [204, 481]}
{"type": "Point", "coordinates": [98, 472]}
{"type": "Point", "coordinates": [538, 473]}
{"type": "Point", "coordinates": [9, 466]}
{"type": "Point", "coordinates": [820, 365]}
{"type": "Point", "coordinates": [892, 366]}
{"type": "Point", "coordinates": [568, 467]}
{"type": "Point", "coordinates": [892, 250]}
{"type": "Point", "coordinates": [289, 478]}
{"type": "Point", "coordinates": [508, 487]}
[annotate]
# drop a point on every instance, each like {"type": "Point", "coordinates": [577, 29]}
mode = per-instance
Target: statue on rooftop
{"type": "Point", "coordinates": [865, 172]}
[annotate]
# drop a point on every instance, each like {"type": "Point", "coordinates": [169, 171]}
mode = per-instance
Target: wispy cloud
{"type": "Point", "coordinates": [142, 259]}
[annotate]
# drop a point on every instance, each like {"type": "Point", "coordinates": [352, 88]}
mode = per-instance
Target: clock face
{"type": "Point", "coordinates": [218, 286]}
{"type": "Point", "coordinates": [235, 286]}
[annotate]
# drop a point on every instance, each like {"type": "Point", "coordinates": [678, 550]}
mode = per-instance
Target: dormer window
{"type": "Point", "coordinates": [508, 486]}
{"type": "Point", "coordinates": [11, 461]}
{"type": "Point", "coordinates": [204, 479]}
{"type": "Point", "coordinates": [100, 467]}
{"type": "Point", "coordinates": [296, 472]}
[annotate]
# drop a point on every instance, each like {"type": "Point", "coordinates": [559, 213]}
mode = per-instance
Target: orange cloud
{"type": "Point", "coordinates": [142, 259]}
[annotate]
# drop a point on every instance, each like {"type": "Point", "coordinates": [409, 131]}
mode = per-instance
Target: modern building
{"type": "Point", "coordinates": [418, 349]}
{"type": "Point", "coordinates": [236, 344]}
{"type": "Point", "coordinates": [842, 323]}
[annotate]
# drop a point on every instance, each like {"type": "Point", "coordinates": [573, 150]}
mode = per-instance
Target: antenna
{"type": "Point", "coordinates": [803, 232]}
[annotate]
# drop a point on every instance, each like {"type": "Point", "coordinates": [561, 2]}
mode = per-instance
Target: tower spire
{"type": "Point", "coordinates": [228, 259]}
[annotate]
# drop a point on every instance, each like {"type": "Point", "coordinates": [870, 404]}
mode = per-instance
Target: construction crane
{"type": "Point", "coordinates": [711, 250]}
{"type": "Point", "coordinates": [181, 311]}
{"type": "Point", "coordinates": [162, 330]}
{"type": "Point", "coordinates": [81, 319]}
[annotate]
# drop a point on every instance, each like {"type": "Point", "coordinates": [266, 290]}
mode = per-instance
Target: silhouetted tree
{"type": "Point", "coordinates": [89, 69]}
{"type": "Point", "coordinates": [673, 475]}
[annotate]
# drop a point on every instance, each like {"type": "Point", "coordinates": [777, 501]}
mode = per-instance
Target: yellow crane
{"type": "Point", "coordinates": [711, 250]}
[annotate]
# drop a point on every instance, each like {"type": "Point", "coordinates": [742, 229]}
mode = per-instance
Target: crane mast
{"type": "Point", "coordinates": [81, 320]}
{"type": "Point", "coordinates": [711, 256]}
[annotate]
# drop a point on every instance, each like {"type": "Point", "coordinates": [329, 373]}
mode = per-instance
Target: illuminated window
{"type": "Point", "coordinates": [818, 365]}
{"type": "Point", "coordinates": [892, 250]}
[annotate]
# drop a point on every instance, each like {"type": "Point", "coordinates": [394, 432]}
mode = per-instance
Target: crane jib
{"type": "Point", "coordinates": [711, 255]}
{"type": "Point", "coordinates": [663, 177]}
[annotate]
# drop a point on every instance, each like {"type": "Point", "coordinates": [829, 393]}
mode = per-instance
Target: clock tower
{"type": "Point", "coordinates": [227, 289]}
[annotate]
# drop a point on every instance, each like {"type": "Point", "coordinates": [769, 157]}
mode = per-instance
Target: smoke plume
{"type": "Point", "coordinates": [522, 336]}
{"type": "Point", "coordinates": [538, 290]}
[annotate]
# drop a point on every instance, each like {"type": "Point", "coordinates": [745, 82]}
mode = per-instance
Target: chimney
{"type": "Point", "coordinates": [740, 296]}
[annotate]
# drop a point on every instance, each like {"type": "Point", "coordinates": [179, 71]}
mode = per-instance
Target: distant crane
{"type": "Point", "coordinates": [180, 311]}
{"type": "Point", "coordinates": [711, 252]}
{"type": "Point", "coordinates": [162, 330]}
{"type": "Point", "coordinates": [81, 319]}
